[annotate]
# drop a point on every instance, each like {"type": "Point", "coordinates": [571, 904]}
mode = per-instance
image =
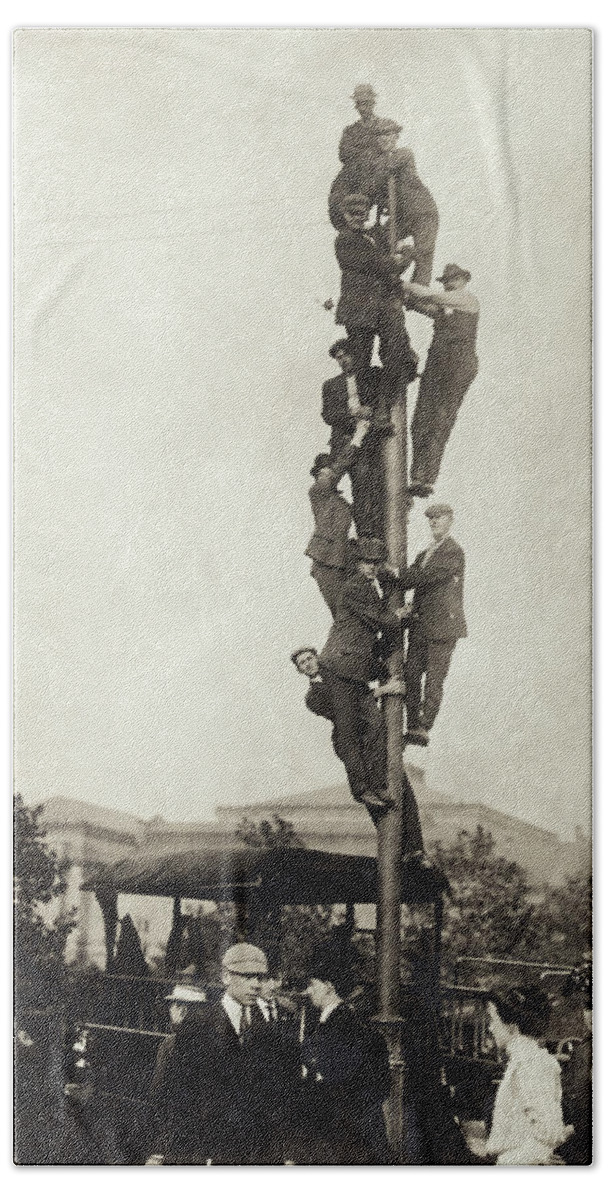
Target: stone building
{"type": "Point", "coordinates": [86, 834]}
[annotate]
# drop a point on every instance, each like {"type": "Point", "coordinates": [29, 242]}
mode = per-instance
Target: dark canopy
{"type": "Point", "coordinates": [274, 876]}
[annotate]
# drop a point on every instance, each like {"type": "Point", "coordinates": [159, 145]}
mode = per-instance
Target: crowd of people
{"type": "Point", "coordinates": [257, 1077]}
{"type": "Point", "coordinates": [353, 575]}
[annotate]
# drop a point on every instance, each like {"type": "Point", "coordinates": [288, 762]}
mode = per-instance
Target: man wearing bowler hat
{"type": "Point", "coordinates": [436, 621]}
{"type": "Point", "coordinates": [371, 299]}
{"type": "Point", "coordinates": [450, 368]}
{"type": "Point", "coordinates": [231, 1095]}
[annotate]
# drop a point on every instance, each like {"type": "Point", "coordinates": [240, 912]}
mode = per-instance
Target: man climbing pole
{"type": "Point", "coordinates": [371, 300]}
{"type": "Point", "coordinates": [349, 662]}
{"type": "Point", "coordinates": [371, 740]}
{"type": "Point", "coordinates": [329, 546]}
{"type": "Point", "coordinates": [348, 398]}
{"type": "Point", "coordinates": [416, 214]}
{"type": "Point", "coordinates": [451, 367]}
{"type": "Point", "coordinates": [436, 621]}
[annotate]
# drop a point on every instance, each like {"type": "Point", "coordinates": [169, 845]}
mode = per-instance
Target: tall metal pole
{"type": "Point", "coordinates": [390, 826]}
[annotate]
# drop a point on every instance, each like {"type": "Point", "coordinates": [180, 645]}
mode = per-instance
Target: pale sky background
{"type": "Point", "coordinates": [172, 251]}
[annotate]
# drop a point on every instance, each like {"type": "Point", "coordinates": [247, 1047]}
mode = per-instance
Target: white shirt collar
{"type": "Point", "coordinates": [329, 1008]}
{"type": "Point", "coordinates": [234, 1011]}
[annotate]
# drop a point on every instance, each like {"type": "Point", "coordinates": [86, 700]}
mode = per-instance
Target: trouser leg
{"type": "Point", "coordinates": [438, 663]}
{"type": "Point", "coordinates": [346, 696]}
{"type": "Point", "coordinates": [367, 481]}
{"type": "Point", "coordinates": [399, 360]}
{"type": "Point", "coordinates": [373, 741]}
{"type": "Point", "coordinates": [424, 229]}
{"type": "Point", "coordinates": [415, 666]}
{"type": "Point", "coordinates": [411, 840]}
{"type": "Point", "coordinates": [361, 345]}
{"type": "Point", "coordinates": [423, 431]}
{"type": "Point", "coordinates": [445, 417]}
{"type": "Point", "coordinates": [330, 581]}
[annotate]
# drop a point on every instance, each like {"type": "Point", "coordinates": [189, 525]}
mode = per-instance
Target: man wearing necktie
{"type": "Point", "coordinates": [231, 1094]}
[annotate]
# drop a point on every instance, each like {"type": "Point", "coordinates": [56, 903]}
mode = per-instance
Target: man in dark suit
{"type": "Point", "coordinates": [436, 621]}
{"type": "Point", "coordinates": [349, 661]}
{"type": "Point", "coordinates": [347, 399]}
{"type": "Point", "coordinates": [329, 544]}
{"type": "Point", "coordinates": [372, 740]}
{"type": "Point", "coordinates": [371, 299]}
{"type": "Point", "coordinates": [230, 1090]}
{"type": "Point", "coordinates": [346, 1072]}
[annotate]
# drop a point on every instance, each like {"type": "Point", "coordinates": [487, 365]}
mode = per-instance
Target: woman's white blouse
{"type": "Point", "coordinates": [527, 1123]}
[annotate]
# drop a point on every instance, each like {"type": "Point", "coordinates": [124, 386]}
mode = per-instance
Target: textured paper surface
{"type": "Point", "coordinates": [172, 256]}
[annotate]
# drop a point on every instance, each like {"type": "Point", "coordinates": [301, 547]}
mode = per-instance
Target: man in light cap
{"type": "Point", "coordinates": [230, 1095]}
{"type": "Point", "coordinates": [450, 368]}
{"type": "Point", "coordinates": [371, 300]}
{"type": "Point", "coordinates": [184, 1000]}
{"type": "Point", "coordinates": [436, 621]}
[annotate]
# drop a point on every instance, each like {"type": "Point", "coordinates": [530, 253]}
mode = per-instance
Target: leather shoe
{"type": "Point", "coordinates": [419, 488]}
{"type": "Point", "coordinates": [417, 736]}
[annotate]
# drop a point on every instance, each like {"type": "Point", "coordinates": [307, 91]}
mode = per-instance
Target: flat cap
{"type": "Point", "coordinates": [370, 549]}
{"type": "Point", "coordinates": [453, 271]}
{"type": "Point", "coordinates": [356, 202]}
{"type": "Point", "coordinates": [439, 510]}
{"type": "Point", "coordinates": [186, 994]}
{"type": "Point", "coordinates": [363, 91]}
{"type": "Point", "coordinates": [245, 959]}
{"type": "Point", "coordinates": [302, 650]}
{"type": "Point", "coordinates": [387, 125]}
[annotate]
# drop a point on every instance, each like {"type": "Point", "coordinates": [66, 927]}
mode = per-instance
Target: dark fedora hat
{"type": "Point", "coordinates": [453, 271]}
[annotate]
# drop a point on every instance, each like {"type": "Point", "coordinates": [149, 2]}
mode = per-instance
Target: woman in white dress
{"type": "Point", "coordinates": [527, 1123]}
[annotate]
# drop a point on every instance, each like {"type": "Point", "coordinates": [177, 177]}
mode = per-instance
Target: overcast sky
{"type": "Point", "coordinates": [172, 255]}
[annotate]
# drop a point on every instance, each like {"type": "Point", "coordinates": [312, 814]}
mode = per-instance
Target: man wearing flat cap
{"type": "Point", "coordinates": [450, 368]}
{"type": "Point", "coordinates": [416, 215]}
{"type": "Point", "coordinates": [231, 1094]}
{"type": "Point", "coordinates": [436, 621]}
{"type": "Point", "coordinates": [371, 299]}
{"type": "Point", "coordinates": [329, 545]}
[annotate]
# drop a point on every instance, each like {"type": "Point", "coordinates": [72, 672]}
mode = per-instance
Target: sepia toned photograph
{"type": "Point", "coordinates": [302, 596]}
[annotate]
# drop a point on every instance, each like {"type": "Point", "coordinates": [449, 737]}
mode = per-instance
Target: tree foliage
{"type": "Point", "coordinates": [40, 937]}
{"type": "Point", "coordinates": [493, 911]}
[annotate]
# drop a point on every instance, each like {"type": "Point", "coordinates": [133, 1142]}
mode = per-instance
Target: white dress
{"type": "Point", "coordinates": [527, 1123]}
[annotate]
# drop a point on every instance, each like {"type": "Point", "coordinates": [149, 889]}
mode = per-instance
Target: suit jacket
{"type": "Point", "coordinates": [335, 410]}
{"type": "Point", "coordinates": [333, 515]}
{"type": "Point", "coordinates": [438, 593]}
{"type": "Point", "coordinates": [350, 648]}
{"type": "Point", "coordinates": [227, 1100]}
{"type": "Point", "coordinates": [370, 279]}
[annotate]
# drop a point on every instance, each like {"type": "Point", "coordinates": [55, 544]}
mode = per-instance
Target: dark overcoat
{"type": "Point", "coordinates": [438, 612]}
{"type": "Point", "coordinates": [347, 1081]}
